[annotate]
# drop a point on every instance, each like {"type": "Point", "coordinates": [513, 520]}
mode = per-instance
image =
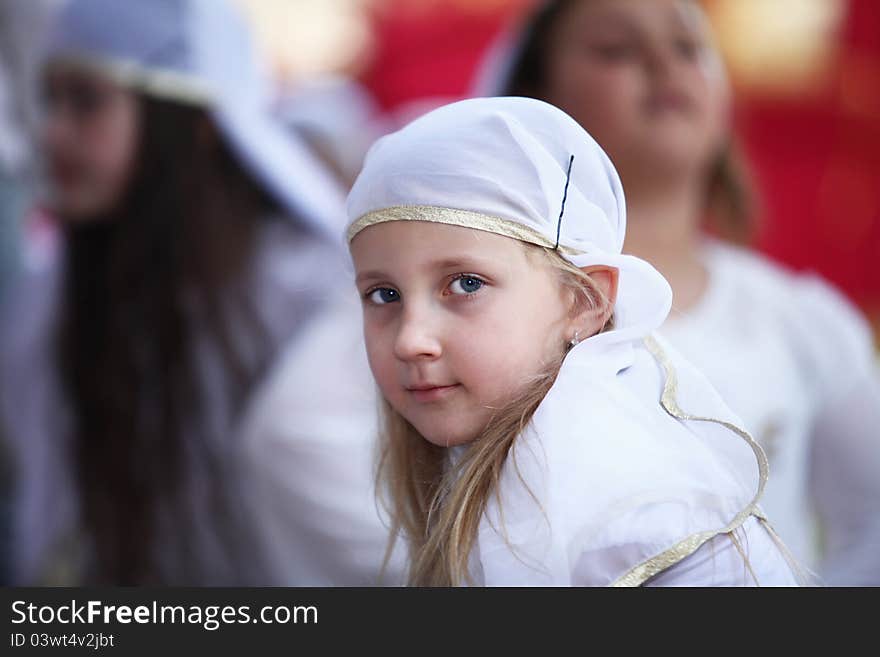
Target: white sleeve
{"type": "Point", "coordinates": [845, 436]}
{"type": "Point", "coordinates": [719, 562]}
{"type": "Point", "coordinates": [845, 484]}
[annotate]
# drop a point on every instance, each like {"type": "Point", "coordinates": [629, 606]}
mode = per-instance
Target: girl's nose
{"type": "Point", "coordinates": [659, 61]}
{"type": "Point", "coordinates": [417, 337]}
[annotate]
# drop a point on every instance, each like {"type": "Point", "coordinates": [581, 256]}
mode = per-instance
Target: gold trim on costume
{"type": "Point", "coordinates": [169, 85]}
{"type": "Point", "coordinates": [453, 217]}
{"type": "Point", "coordinates": [683, 549]}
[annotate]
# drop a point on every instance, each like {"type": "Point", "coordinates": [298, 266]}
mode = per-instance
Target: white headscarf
{"type": "Point", "coordinates": [200, 52]}
{"type": "Point", "coordinates": [502, 165]}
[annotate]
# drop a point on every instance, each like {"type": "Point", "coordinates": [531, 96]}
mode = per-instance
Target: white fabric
{"type": "Point", "coordinates": [795, 361]}
{"type": "Point", "coordinates": [508, 158]}
{"type": "Point", "coordinates": [603, 479]}
{"type": "Point", "coordinates": [205, 44]}
{"type": "Point", "coordinates": [618, 481]}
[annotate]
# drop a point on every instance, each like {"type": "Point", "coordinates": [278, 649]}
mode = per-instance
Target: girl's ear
{"type": "Point", "coordinates": [606, 279]}
{"type": "Point", "coordinates": [589, 320]}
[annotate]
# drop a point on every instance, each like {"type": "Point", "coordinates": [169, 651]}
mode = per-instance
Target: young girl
{"type": "Point", "coordinates": [797, 364]}
{"type": "Point", "coordinates": [140, 391]}
{"type": "Point", "coordinates": [535, 431]}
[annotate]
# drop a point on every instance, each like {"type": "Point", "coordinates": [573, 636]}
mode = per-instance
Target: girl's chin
{"type": "Point", "coordinates": [658, 161]}
{"type": "Point", "coordinates": [448, 439]}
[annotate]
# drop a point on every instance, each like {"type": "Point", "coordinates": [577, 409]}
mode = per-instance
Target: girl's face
{"type": "Point", "coordinates": [90, 134]}
{"type": "Point", "coordinates": [642, 78]}
{"type": "Point", "coordinates": [455, 320]}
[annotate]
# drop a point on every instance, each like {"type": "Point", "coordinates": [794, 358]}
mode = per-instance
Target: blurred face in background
{"type": "Point", "coordinates": [90, 138]}
{"type": "Point", "coordinates": [642, 77]}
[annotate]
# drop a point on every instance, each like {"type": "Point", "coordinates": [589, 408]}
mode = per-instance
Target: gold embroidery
{"type": "Point", "coordinates": [169, 85]}
{"type": "Point", "coordinates": [683, 549]}
{"type": "Point", "coordinates": [655, 565]}
{"type": "Point", "coordinates": [453, 217]}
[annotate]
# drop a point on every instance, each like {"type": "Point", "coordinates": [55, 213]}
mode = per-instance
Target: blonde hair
{"type": "Point", "coordinates": [436, 505]}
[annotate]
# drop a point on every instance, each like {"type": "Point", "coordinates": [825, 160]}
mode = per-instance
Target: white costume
{"type": "Point", "coordinates": [632, 470]}
{"type": "Point", "coordinates": [796, 361]}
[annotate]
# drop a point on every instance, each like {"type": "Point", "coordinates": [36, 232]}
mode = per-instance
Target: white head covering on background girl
{"type": "Point", "coordinates": [625, 482]}
{"type": "Point", "coordinates": [200, 52]}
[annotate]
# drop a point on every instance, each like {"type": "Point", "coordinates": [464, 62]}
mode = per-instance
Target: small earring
{"type": "Point", "coordinates": [576, 339]}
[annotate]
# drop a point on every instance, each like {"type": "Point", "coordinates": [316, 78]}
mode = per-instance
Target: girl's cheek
{"type": "Point", "coordinates": [379, 354]}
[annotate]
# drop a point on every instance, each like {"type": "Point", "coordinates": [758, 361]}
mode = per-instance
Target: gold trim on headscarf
{"type": "Point", "coordinates": [164, 84]}
{"type": "Point", "coordinates": [453, 217]}
{"type": "Point", "coordinates": [641, 573]}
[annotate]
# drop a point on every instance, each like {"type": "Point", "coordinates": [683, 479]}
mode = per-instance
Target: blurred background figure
{"type": "Point", "coordinates": [789, 354]}
{"type": "Point", "coordinates": [160, 393]}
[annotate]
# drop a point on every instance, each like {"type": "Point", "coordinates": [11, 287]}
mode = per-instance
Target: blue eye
{"type": "Point", "coordinates": [465, 285]}
{"type": "Point", "coordinates": [383, 295]}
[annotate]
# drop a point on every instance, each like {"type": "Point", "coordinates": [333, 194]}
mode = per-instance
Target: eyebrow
{"type": "Point", "coordinates": [465, 263]}
{"type": "Point", "coordinates": [369, 276]}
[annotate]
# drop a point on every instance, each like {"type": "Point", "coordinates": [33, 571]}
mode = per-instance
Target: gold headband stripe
{"type": "Point", "coordinates": [453, 217]}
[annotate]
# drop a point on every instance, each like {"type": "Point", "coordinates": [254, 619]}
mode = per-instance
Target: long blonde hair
{"type": "Point", "coordinates": [436, 505]}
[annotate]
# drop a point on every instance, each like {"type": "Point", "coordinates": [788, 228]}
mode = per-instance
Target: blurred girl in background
{"type": "Point", "coordinates": [200, 245]}
{"type": "Point", "coordinates": [796, 361]}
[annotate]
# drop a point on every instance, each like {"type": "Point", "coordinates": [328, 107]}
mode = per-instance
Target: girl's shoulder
{"type": "Point", "coordinates": [627, 411]}
{"type": "Point", "coordinates": [825, 331]}
{"type": "Point", "coordinates": [615, 468]}
{"type": "Point", "coordinates": [756, 279]}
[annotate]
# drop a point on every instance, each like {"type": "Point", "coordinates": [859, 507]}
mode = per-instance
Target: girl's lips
{"type": "Point", "coordinates": [430, 394]}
